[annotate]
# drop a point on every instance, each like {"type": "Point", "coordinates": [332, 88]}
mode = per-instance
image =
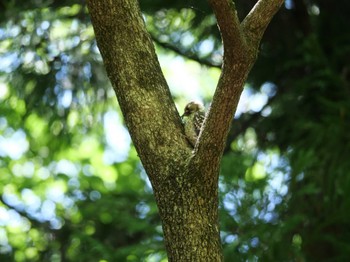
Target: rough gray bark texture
{"type": "Point", "coordinates": [185, 180]}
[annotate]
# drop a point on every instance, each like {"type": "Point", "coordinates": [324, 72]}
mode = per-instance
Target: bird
{"type": "Point", "coordinates": [193, 118]}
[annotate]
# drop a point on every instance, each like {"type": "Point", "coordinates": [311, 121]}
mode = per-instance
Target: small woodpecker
{"type": "Point", "coordinates": [193, 118]}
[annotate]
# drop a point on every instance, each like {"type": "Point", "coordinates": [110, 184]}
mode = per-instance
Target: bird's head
{"type": "Point", "coordinates": [192, 107]}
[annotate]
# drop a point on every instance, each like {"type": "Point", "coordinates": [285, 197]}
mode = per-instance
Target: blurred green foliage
{"type": "Point", "coordinates": [72, 187]}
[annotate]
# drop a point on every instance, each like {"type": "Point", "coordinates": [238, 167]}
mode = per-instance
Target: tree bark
{"type": "Point", "coordinates": [185, 180]}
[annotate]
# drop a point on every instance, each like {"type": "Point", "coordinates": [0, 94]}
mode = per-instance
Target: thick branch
{"type": "Point", "coordinates": [228, 22]}
{"type": "Point", "coordinates": [144, 97]}
{"type": "Point", "coordinates": [241, 44]}
{"type": "Point", "coordinates": [256, 22]}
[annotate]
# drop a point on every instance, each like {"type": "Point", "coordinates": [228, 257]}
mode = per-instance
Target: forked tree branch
{"type": "Point", "coordinates": [185, 187]}
{"type": "Point", "coordinates": [241, 43]}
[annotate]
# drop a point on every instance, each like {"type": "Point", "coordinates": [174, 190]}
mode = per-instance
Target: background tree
{"type": "Point", "coordinates": [284, 176]}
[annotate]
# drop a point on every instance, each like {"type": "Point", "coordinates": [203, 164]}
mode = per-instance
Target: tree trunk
{"type": "Point", "coordinates": [184, 180]}
{"type": "Point", "coordinates": [189, 211]}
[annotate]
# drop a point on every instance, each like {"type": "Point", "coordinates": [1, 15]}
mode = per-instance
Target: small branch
{"type": "Point", "coordinates": [256, 22]}
{"type": "Point", "coordinates": [177, 50]}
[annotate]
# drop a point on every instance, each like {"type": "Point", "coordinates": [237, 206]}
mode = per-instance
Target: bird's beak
{"type": "Point", "coordinates": [184, 114]}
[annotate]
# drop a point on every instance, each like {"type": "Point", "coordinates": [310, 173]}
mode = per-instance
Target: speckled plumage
{"type": "Point", "coordinates": [193, 118]}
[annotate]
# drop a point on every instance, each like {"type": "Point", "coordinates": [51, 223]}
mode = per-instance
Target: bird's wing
{"type": "Point", "coordinates": [198, 121]}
